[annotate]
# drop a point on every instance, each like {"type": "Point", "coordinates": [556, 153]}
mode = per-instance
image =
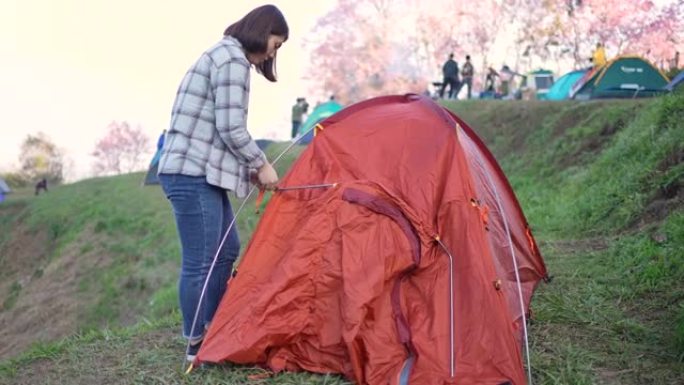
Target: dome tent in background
{"type": "Point", "coordinates": [151, 174]}
{"type": "Point", "coordinates": [4, 189]}
{"type": "Point", "coordinates": [412, 261]}
{"type": "Point", "coordinates": [560, 90]}
{"type": "Point", "coordinates": [319, 113]}
{"type": "Point", "coordinates": [622, 77]}
{"type": "Point", "coordinates": [151, 177]}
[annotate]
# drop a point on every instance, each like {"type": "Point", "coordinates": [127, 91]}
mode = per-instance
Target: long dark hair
{"type": "Point", "coordinates": [253, 31]}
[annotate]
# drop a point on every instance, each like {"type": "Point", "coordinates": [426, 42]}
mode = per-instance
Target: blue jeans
{"type": "Point", "coordinates": [203, 214]}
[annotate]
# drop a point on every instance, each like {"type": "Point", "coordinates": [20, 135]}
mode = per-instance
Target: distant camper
{"type": "Point", "coordinates": [42, 185]}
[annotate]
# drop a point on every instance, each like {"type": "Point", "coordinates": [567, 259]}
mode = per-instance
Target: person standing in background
{"type": "Point", "coordinates": [467, 75]}
{"type": "Point", "coordinates": [450, 77]}
{"type": "Point", "coordinates": [299, 113]}
{"type": "Point", "coordinates": [297, 116]}
{"type": "Point", "coordinates": [490, 80]}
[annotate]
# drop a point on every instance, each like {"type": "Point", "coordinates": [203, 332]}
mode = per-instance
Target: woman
{"type": "Point", "coordinates": [208, 151]}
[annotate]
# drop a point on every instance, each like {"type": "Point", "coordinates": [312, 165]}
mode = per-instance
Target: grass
{"type": "Point", "coordinates": [600, 183]}
{"type": "Point", "coordinates": [609, 313]}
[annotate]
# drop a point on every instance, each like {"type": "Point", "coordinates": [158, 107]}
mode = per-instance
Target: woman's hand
{"type": "Point", "coordinates": [267, 176]}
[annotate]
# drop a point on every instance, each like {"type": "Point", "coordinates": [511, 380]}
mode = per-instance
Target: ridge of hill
{"type": "Point", "coordinates": [88, 286]}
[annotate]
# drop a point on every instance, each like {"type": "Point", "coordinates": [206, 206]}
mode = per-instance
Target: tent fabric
{"type": "Point", "coordinates": [560, 90]}
{"type": "Point", "coordinates": [263, 143]}
{"type": "Point", "coordinates": [676, 82]}
{"type": "Point", "coordinates": [357, 278]}
{"type": "Point", "coordinates": [583, 80]}
{"type": "Point", "coordinates": [151, 177]}
{"type": "Point", "coordinates": [322, 111]}
{"type": "Point", "coordinates": [4, 188]}
{"type": "Point", "coordinates": [623, 77]}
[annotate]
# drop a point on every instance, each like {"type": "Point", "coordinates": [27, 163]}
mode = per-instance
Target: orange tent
{"type": "Point", "coordinates": [415, 267]}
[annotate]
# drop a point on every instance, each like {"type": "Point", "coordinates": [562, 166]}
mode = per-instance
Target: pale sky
{"type": "Point", "coordinates": [70, 67]}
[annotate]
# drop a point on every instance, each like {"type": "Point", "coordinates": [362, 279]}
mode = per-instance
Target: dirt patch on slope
{"type": "Point", "coordinates": [24, 251]}
{"type": "Point", "coordinates": [46, 288]}
{"type": "Point", "coordinates": [668, 197]}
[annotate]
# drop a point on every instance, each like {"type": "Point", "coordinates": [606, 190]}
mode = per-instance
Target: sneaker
{"type": "Point", "coordinates": [192, 351]}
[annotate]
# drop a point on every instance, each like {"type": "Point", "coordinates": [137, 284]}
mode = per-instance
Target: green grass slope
{"type": "Point", "coordinates": [600, 183]}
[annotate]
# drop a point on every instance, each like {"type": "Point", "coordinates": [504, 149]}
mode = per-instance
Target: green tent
{"type": "Point", "coordinates": [623, 77]}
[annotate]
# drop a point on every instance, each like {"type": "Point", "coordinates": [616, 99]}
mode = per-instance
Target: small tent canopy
{"type": "Point", "coordinates": [151, 175]}
{"type": "Point", "coordinates": [540, 81]}
{"type": "Point", "coordinates": [415, 264]}
{"type": "Point", "coordinates": [263, 143]}
{"type": "Point", "coordinates": [677, 82]}
{"type": "Point", "coordinates": [623, 77]}
{"type": "Point", "coordinates": [4, 189]}
{"type": "Point", "coordinates": [319, 113]}
{"type": "Point", "coordinates": [560, 90]}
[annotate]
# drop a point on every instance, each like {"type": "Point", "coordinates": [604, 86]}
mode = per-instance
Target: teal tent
{"type": "Point", "coordinates": [560, 90]}
{"type": "Point", "coordinates": [623, 77]}
{"type": "Point", "coordinates": [151, 175]}
{"type": "Point", "coordinates": [320, 112]}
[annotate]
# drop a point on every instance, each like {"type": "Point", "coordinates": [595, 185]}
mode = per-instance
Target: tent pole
{"type": "Point", "coordinates": [306, 187]}
{"type": "Point", "coordinates": [223, 240]}
{"type": "Point", "coordinates": [452, 369]}
{"type": "Point", "coordinates": [518, 280]}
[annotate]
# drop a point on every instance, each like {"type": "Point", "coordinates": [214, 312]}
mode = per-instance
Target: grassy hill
{"type": "Point", "coordinates": [88, 288]}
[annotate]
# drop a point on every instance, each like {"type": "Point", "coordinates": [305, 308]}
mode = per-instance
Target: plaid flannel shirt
{"type": "Point", "coordinates": [208, 133]}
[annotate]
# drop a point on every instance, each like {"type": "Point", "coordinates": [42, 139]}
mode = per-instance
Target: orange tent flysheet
{"type": "Point", "coordinates": [415, 266]}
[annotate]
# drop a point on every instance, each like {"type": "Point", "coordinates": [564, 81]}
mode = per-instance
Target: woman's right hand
{"type": "Point", "coordinates": [267, 176]}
